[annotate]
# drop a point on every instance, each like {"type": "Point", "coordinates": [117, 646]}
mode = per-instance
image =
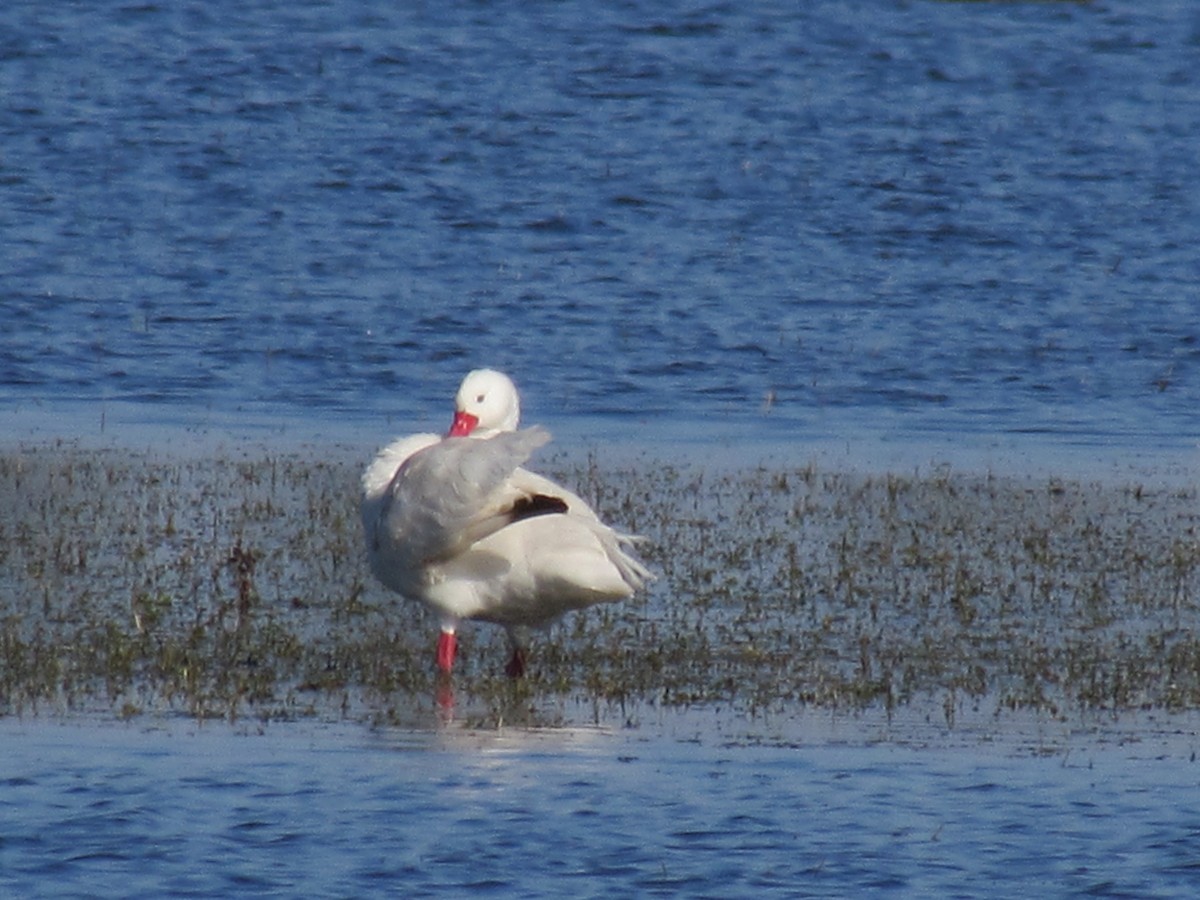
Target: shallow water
{"type": "Point", "coordinates": [788, 221]}
{"type": "Point", "coordinates": [235, 586]}
{"type": "Point", "coordinates": [305, 810]}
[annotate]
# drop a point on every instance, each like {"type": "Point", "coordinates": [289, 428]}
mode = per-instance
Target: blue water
{"type": "Point", "coordinates": [859, 219]}
{"type": "Point", "coordinates": [305, 811]}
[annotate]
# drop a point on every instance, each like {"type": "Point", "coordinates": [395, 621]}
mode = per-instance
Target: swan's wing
{"type": "Point", "coordinates": [531, 484]}
{"type": "Point", "coordinates": [377, 477]}
{"type": "Point", "coordinates": [448, 495]}
{"type": "Point", "coordinates": [618, 545]}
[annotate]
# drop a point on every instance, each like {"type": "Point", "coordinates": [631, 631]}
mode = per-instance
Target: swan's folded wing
{"type": "Point", "coordinates": [617, 544]}
{"type": "Point", "coordinates": [524, 483]}
{"type": "Point", "coordinates": [448, 496]}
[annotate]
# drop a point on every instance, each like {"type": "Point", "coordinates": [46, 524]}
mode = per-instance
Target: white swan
{"type": "Point", "coordinates": [455, 523]}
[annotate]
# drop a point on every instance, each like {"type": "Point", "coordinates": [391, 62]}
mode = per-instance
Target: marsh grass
{"type": "Point", "coordinates": [234, 586]}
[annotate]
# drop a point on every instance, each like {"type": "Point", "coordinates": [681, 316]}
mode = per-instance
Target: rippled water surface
{"type": "Point", "coordinates": [861, 218]}
{"type": "Point", "coordinates": [581, 812]}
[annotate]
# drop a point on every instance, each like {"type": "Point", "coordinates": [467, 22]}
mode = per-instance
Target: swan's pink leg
{"type": "Point", "coordinates": [516, 665]}
{"type": "Point", "coordinates": [447, 644]}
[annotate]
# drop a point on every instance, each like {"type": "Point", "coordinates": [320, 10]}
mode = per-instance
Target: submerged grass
{"type": "Point", "coordinates": [235, 587]}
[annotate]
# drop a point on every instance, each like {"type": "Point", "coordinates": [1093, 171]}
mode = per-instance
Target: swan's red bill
{"type": "Point", "coordinates": [464, 423]}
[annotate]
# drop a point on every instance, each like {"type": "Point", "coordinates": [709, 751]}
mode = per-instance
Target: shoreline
{"type": "Point", "coordinates": [753, 442]}
{"type": "Point", "coordinates": [1146, 735]}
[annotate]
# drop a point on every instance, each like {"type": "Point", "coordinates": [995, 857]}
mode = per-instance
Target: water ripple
{"type": "Point", "coordinates": [934, 226]}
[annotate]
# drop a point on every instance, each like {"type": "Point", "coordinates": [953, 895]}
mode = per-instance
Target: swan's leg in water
{"type": "Point", "coordinates": [447, 645]}
{"type": "Point", "coordinates": [516, 665]}
{"type": "Point", "coordinates": [519, 638]}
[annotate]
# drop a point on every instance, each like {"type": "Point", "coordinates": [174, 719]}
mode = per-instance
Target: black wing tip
{"type": "Point", "coordinates": [537, 505]}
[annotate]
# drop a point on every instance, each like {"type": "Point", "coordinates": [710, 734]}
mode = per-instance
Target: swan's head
{"type": "Point", "coordinates": [486, 403]}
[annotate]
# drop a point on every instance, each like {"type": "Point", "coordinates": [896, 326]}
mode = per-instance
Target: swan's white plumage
{"type": "Point", "coordinates": [459, 525]}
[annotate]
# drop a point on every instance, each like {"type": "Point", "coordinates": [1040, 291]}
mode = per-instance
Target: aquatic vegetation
{"type": "Point", "coordinates": [234, 586]}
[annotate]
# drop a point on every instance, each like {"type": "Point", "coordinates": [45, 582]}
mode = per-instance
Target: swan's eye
{"type": "Point", "coordinates": [481, 398]}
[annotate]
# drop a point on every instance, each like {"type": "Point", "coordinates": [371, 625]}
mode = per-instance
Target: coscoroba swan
{"type": "Point", "coordinates": [457, 524]}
